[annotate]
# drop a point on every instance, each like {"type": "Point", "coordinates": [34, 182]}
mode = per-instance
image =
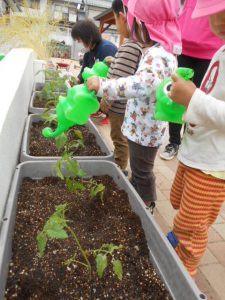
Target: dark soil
{"type": "Point", "coordinates": [41, 146]}
{"type": "Point", "coordinates": [31, 277]}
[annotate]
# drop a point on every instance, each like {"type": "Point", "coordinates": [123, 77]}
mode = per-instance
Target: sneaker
{"type": "Point", "coordinates": [172, 239]}
{"type": "Point", "coordinates": [169, 152]}
{"type": "Point", "coordinates": [98, 114]}
{"type": "Point", "coordinates": [105, 121]}
{"type": "Point", "coordinates": [151, 207]}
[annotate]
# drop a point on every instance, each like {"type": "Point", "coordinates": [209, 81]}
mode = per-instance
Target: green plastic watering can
{"type": "Point", "coordinates": [78, 105]}
{"type": "Point", "coordinates": [166, 108]}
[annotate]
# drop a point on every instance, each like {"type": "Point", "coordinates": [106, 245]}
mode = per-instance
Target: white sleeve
{"type": "Point", "coordinates": [205, 110]}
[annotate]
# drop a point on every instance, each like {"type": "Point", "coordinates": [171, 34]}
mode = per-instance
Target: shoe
{"type": "Point", "coordinates": [98, 114]}
{"type": "Point", "coordinates": [172, 239]}
{"type": "Point", "coordinates": [105, 121]}
{"type": "Point", "coordinates": [170, 151]}
{"type": "Point", "coordinates": [151, 207]}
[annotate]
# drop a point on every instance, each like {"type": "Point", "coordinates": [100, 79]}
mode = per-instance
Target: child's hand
{"type": "Point", "coordinates": [108, 60]}
{"type": "Point", "coordinates": [93, 84]}
{"type": "Point", "coordinates": [181, 90]}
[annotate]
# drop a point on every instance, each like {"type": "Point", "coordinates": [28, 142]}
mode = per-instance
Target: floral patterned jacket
{"type": "Point", "coordinates": [139, 125]}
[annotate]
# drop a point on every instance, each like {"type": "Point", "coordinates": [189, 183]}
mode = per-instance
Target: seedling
{"type": "Point", "coordinates": [101, 258]}
{"type": "Point", "coordinates": [97, 189]}
{"type": "Point", "coordinates": [57, 228]}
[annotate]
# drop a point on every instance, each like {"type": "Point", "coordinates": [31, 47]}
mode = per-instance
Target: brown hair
{"type": "Point", "coordinates": [143, 38]}
{"type": "Point", "coordinates": [87, 31]}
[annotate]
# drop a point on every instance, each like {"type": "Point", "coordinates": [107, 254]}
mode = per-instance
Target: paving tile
{"type": "Point", "coordinates": [202, 283]}
{"type": "Point", "coordinates": [160, 195]}
{"type": "Point", "coordinates": [208, 258]}
{"type": "Point", "coordinates": [166, 211]}
{"type": "Point", "coordinates": [215, 274]}
{"type": "Point", "coordinates": [164, 226]}
{"type": "Point", "coordinates": [220, 220]}
{"type": "Point", "coordinates": [218, 250]}
{"type": "Point", "coordinates": [167, 173]}
{"type": "Point", "coordinates": [220, 229]}
{"type": "Point", "coordinates": [214, 236]}
{"type": "Point", "coordinates": [166, 193]}
{"type": "Point", "coordinates": [162, 182]}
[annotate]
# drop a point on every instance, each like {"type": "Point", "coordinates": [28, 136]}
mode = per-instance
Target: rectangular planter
{"type": "Point", "coordinates": [25, 156]}
{"type": "Point", "coordinates": [38, 110]}
{"type": "Point", "coordinates": [178, 282]}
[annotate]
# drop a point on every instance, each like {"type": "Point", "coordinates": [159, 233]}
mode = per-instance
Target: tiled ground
{"type": "Point", "coordinates": [211, 275]}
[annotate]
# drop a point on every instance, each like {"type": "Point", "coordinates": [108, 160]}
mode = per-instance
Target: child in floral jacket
{"type": "Point", "coordinates": [143, 132]}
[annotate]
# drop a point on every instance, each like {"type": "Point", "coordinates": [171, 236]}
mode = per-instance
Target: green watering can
{"type": "Point", "coordinates": [78, 105]}
{"type": "Point", "coordinates": [166, 109]}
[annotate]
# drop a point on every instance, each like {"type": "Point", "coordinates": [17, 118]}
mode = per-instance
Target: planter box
{"type": "Point", "coordinates": [25, 155]}
{"type": "Point", "coordinates": [39, 110]}
{"type": "Point", "coordinates": [163, 256]}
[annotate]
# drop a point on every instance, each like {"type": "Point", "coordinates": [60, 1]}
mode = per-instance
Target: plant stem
{"type": "Point", "coordinates": [80, 247]}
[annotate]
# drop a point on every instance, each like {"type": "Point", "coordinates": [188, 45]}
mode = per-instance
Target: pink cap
{"type": "Point", "coordinates": [125, 2]}
{"type": "Point", "coordinates": [208, 7]}
{"type": "Point", "coordinates": [161, 20]}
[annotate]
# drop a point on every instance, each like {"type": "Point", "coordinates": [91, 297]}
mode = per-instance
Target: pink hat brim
{"type": "Point", "coordinates": [207, 11]}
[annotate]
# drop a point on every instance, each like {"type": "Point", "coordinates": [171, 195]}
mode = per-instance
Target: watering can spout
{"type": "Point", "coordinates": [49, 133]}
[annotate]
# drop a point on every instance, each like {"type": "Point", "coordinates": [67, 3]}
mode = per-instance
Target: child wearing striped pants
{"type": "Point", "coordinates": [198, 191]}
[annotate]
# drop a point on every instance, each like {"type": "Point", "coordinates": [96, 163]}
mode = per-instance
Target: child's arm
{"type": "Point", "coordinates": [206, 110]}
{"type": "Point", "coordinates": [137, 86]}
{"type": "Point", "coordinates": [202, 109]}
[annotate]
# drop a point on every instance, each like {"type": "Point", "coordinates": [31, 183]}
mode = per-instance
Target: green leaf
{"type": "Point", "coordinates": [57, 233]}
{"type": "Point", "coordinates": [74, 186]}
{"type": "Point", "coordinates": [118, 268]}
{"type": "Point", "coordinates": [99, 189]}
{"type": "Point", "coordinates": [58, 169]}
{"type": "Point", "coordinates": [42, 241]}
{"type": "Point", "coordinates": [79, 134]}
{"type": "Point", "coordinates": [101, 264]}
{"type": "Point", "coordinates": [61, 141]}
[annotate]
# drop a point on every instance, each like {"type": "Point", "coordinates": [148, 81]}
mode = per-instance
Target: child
{"type": "Point", "coordinates": [198, 190]}
{"type": "Point", "coordinates": [152, 24]}
{"type": "Point", "coordinates": [125, 64]}
{"type": "Point", "coordinates": [199, 45]}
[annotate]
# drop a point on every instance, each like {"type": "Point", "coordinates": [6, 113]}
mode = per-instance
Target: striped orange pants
{"type": "Point", "coordinates": [198, 197]}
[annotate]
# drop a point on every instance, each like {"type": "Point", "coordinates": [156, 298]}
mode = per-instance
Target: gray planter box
{"type": "Point", "coordinates": [25, 155]}
{"type": "Point", "coordinates": [163, 256]}
{"type": "Point", "coordinates": [38, 110]}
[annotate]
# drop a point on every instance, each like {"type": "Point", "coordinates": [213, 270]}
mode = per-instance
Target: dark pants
{"type": "Point", "coordinates": [200, 67]}
{"type": "Point", "coordinates": [142, 178]}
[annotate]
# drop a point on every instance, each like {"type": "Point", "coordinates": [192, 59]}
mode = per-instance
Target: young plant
{"type": "Point", "coordinates": [97, 189]}
{"type": "Point", "coordinates": [53, 88]}
{"type": "Point", "coordinates": [101, 258]}
{"type": "Point", "coordinates": [57, 227]}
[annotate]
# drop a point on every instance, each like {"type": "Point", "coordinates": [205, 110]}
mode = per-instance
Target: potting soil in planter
{"type": "Point", "coordinates": [41, 102]}
{"type": "Point", "coordinates": [32, 277]}
{"type": "Point", "coordinates": [40, 146]}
